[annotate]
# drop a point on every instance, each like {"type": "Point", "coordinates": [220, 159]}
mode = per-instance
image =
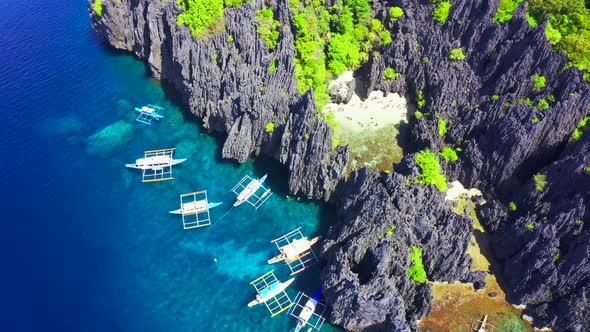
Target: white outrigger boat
{"type": "Point", "coordinates": [156, 165]}
{"type": "Point", "coordinates": [194, 208]}
{"type": "Point", "coordinates": [270, 292]}
{"type": "Point", "coordinates": [148, 113]}
{"type": "Point", "coordinates": [308, 311]}
{"type": "Point", "coordinates": [293, 250]}
{"type": "Point", "coordinates": [251, 191]}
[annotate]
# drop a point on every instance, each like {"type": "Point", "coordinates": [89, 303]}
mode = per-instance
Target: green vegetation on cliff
{"type": "Point", "coordinates": [97, 6]}
{"type": "Point", "coordinates": [457, 54]}
{"type": "Point", "coordinates": [441, 13]}
{"type": "Point", "coordinates": [416, 272]}
{"type": "Point", "coordinates": [449, 155]}
{"type": "Point", "coordinates": [268, 27]}
{"type": "Point", "coordinates": [390, 74]}
{"type": "Point", "coordinates": [395, 13]}
{"type": "Point", "coordinates": [539, 81]}
{"type": "Point", "coordinates": [584, 124]}
{"type": "Point", "coordinates": [505, 10]}
{"type": "Point", "coordinates": [204, 18]}
{"type": "Point", "coordinates": [431, 171]}
{"type": "Point", "coordinates": [540, 181]}
{"type": "Point", "coordinates": [568, 29]}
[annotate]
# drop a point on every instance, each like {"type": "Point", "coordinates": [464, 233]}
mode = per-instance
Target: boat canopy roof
{"type": "Point", "coordinates": [155, 160]}
{"type": "Point", "coordinates": [296, 247]}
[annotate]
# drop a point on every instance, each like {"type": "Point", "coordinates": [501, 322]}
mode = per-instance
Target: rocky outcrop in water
{"type": "Point", "coordinates": [492, 112]}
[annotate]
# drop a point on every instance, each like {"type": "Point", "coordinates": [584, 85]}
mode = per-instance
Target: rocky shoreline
{"type": "Point", "coordinates": [226, 83]}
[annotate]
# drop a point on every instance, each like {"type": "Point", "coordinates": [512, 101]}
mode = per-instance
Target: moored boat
{"type": "Point", "coordinates": [291, 251]}
{"type": "Point", "coordinates": [249, 190]}
{"type": "Point", "coordinates": [270, 292]}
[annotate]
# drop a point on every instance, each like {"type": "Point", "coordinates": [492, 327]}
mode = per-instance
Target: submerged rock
{"type": "Point", "coordinates": [105, 141]}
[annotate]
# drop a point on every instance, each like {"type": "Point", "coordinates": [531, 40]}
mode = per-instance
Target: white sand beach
{"type": "Point", "coordinates": [376, 112]}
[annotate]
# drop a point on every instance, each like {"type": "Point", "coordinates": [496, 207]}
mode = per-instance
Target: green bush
{"type": "Point", "coordinates": [539, 81]}
{"type": "Point", "coordinates": [416, 272]}
{"type": "Point", "coordinates": [418, 115]}
{"type": "Point", "coordinates": [542, 105]}
{"type": "Point", "coordinates": [581, 127]}
{"type": "Point", "coordinates": [420, 101]}
{"type": "Point", "coordinates": [530, 226]}
{"type": "Point", "coordinates": [587, 170]}
{"type": "Point", "coordinates": [540, 181]}
{"type": "Point", "coordinates": [230, 39]}
{"type": "Point", "coordinates": [531, 20]}
{"type": "Point", "coordinates": [449, 154]}
{"type": "Point", "coordinates": [442, 126]}
{"type": "Point", "coordinates": [199, 15]}
{"type": "Point", "coordinates": [273, 66]}
{"type": "Point", "coordinates": [425, 59]}
{"type": "Point", "coordinates": [343, 53]}
{"type": "Point", "coordinates": [441, 13]}
{"type": "Point", "coordinates": [525, 101]}
{"type": "Point", "coordinates": [233, 3]}
{"type": "Point", "coordinates": [391, 229]}
{"type": "Point", "coordinates": [395, 13]}
{"type": "Point", "coordinates": [97, 6]}
{"type": "Point", "coordinates": [457, 54]}
{"type": "Point", "coordinates": [390, 74]}
{"type": "Point", "coordinates": [495, 97]}
{"type": "Point", "coordinates": [506, 10]}
{"type": "Point", "coordinates": [270, 127]}
{"type": "Point", "coordinates": [431, 173]}
{"type": "Point", "coordinates": [268, 27]}
{"type": "Point", "coordinates": [385, 38]}
{"type": "Point", "coordinates": [512, 206]}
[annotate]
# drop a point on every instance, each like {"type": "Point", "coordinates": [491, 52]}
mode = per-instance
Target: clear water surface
{"type": "Point", "coordinates": [85, 245]}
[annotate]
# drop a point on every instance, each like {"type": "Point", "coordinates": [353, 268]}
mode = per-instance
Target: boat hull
{"type": "Point", "coordinates": [159, 167]}
{"type": "Point", "coordinates": [209, 206]}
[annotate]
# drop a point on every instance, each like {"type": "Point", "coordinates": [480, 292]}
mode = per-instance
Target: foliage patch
{"type": "Point", "coordinates": [431, 172]}
{"type": "Point", "coordinates": [441, 13]}
{"type": "Point", "coordinates": [416, 272]}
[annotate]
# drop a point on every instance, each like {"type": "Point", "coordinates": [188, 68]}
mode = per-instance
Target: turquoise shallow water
{"type": "Point", "coordinates": [85, 245]}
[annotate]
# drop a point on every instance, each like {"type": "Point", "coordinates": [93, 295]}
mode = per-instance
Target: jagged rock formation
{"type": "Point", "coordinates": [228, 85]}
{"type": "Point", "coordinates": [365, 276]}
{"type": "Point", "coordinates": [505, 142]}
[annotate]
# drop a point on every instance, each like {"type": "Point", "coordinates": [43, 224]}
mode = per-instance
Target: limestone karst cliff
{"type": "Point", "coordinates": [490, 105]}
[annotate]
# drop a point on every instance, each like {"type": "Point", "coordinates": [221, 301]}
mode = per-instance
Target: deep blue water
{"type": "Point", "coordinates": [85, 246]}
